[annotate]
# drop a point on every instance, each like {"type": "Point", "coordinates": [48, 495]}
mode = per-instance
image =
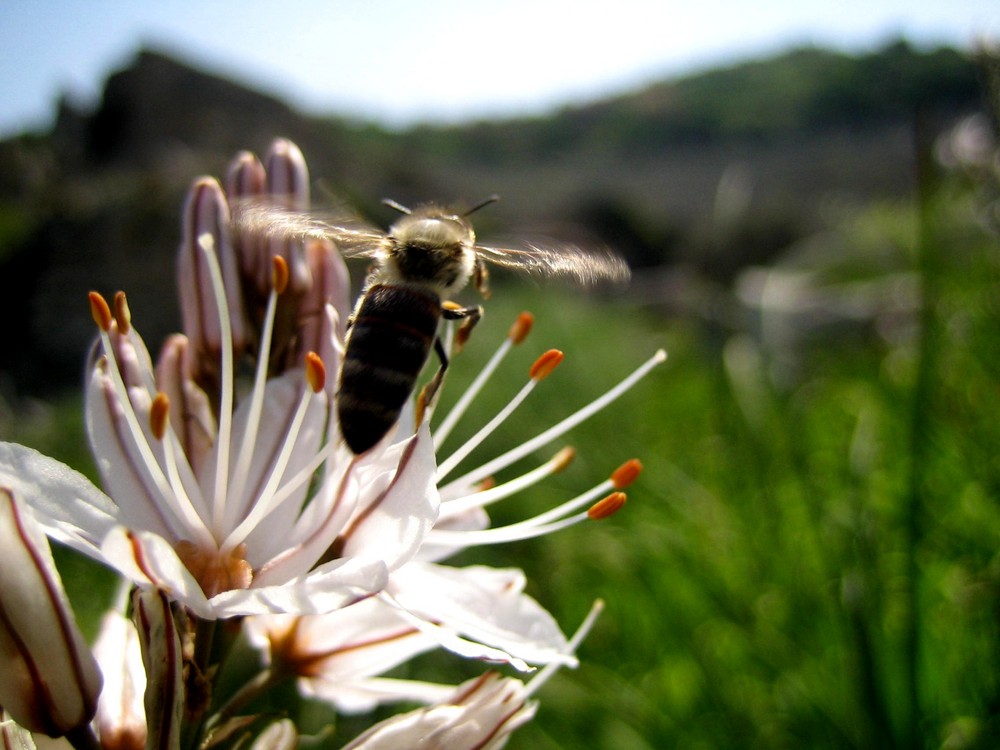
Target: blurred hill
{"type": "Point", "coordinates": [714, 171]}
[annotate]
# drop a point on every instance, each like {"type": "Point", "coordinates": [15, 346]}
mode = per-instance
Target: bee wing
{"type": "Point", "coordinates": [559, 259]}
{"type": "Point", "coordinates": [261, 217]}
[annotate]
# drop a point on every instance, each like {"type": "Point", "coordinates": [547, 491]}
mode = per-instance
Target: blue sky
{"type": "Point", "coordinates": [400, 62]}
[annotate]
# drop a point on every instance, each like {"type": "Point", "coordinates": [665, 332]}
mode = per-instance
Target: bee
{"type": "Point", "coordinates": [424, 259]}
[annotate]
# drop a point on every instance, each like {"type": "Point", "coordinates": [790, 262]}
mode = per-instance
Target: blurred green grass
{"type": "Point", "coordinates": [810, 556]}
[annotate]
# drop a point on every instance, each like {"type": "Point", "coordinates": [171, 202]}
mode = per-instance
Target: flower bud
{"type": "Point", "coordinates": [482, 713]}
{"type": "Point", "coordinates": [160, 646]}
{"type": "Point", "coordinates": [288, 187]}
{"type": "Point", "coordinates": [49, 680]}
{"type": "Point", "coordinates": [206, 230]}
{"type": "Point", "coordinates": [280, 735]}
{"type": "Point", "coordinates": [121, 717]}
{"type": "Point", "coordinates": [191, 416]}
{"type": "Point", "coordinates": [320, 326]}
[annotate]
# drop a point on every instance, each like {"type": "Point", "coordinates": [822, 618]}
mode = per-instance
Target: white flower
{"type": "Point", "coordinates": [479, 714]}
{"type": "Point", "coordinates": [477, 612]}
{"type": "Point", "coordinates": [233, 506]}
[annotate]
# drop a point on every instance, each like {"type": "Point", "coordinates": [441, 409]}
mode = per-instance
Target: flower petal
{"type": "Point", "coordinates": [328, 587]}
{"type": "Point", "coordinates": [124, 471]}
{"type": "Point", "coordinates": [365, 694]}
{"type": "Point", "coordinates": [484, 604]}
{"type": "Point", "coordinates": [397, 508]}
{"type": "Point", "coordinates": [66, 504]}
{"type": "Point", "coordinates": [149, 561]}
{"type": "Point", "coordinates": [281, 396]}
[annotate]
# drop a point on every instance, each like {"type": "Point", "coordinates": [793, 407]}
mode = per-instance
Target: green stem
{"type": "Point", "coordinates": [194, 720]}
{"type": "Point", "coordinates": [920, 427]}
{"type": "Point", "coordinates": [253, 689]}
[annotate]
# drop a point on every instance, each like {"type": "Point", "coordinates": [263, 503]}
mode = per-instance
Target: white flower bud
{"type": "Point", "coordinates": [49, 680]}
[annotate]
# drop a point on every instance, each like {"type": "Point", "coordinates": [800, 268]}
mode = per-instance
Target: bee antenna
{"type": "Point", "coordinates": [398, 206]}
{"type": "Point", "coordinates": [492, 199]}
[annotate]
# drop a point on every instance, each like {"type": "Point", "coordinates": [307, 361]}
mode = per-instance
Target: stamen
{"type": "Point", "coordinates": [545, 364]}
{"type": "Point", "coordinates": [315, 372]}
{"type": "Point", "coordinates": [563, 459]}
{"type": "Point", "coordinates": [306, 473]}
{"type": "Point", "coordinates": [249, 440]}
{"type": "Point", "coordinates": [279, 274]}
{"type": "Point", "coordinates": [541, 369]}
{"type": "Point", "coordinates": [521, 328]}
{"type": "Point", "coordinates": [173, 495]}
{"type": "Point", "coordinates": [607, 506]}
{"type": "Point", "coordinates": [546, 672]}
{"type": "Point", "coordinates": [100, 311]}
{"type": "Point", "coordinates": [163, 429]}
{"type": "Point", "coordinates": [123, 316]}
{"type": "Point", "coordinates": [159, 414]}
{"type": "Point", "coordinates": [546, 437]}
{"type": "Point", "coordinates": [518, 332]}
{"type": "Point", "coordinates": [207, 244]}
{"type": "Point", "coordinates": [265, 502]}
{"type": "Point", "coordinates": [625, 474]}
{"type": "Point", "coordinates": [490, 495]}
{"type": "Point", "coordinates": [499, 534]}
{"type": "Point", "coordinates": [551, 520]}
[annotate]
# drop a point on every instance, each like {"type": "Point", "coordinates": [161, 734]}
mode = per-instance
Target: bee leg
{"type": "Point", "coordinates": [481, 279]}
{"type": "Point", "coordinates": [429, 391]}
{"type": "Point", "coordinates": [469, 317]}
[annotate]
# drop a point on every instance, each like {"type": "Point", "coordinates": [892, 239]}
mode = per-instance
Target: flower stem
{"type": "Point", "coordinates": [260, 684]}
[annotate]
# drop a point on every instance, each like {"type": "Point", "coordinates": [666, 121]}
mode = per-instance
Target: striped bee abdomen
{"type": "Point", "coordinates": [388, 343]}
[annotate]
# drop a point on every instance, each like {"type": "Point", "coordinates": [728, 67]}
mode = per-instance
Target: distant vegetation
{"type": "Point", "coordinates": [809, 559]}
{"type": "Point", "coordinates": [805, 91]}
{"type": "Point", "coordinates": [93, 203]}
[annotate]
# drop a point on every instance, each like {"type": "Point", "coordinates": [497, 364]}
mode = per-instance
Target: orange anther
{"type": "Point", "coordinates": [625, 474]}
{"type": "Point", "coordinates": [463, 333]}
{"type": "Point", "coordinates": [279, 274]}
{"type": "Point", "coordinates": [315, 372]}
{"type": "Point", "coordinates": [521, 328]}
{"type": "Point", "coordinates": [123, 316]}
{"type": "Point", "coordinates": [450, 305]}
{"type": "Point", "coordinates": [100, 311]}
{"type": "Point", "coordinates": [159, 411]}
{"type": "Point", "coordinates": [607, 506]}
{"type": "Point", "coordinates": [545, 364]}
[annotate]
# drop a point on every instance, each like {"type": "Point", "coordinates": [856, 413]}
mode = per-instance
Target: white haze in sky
{"type": "Point", "coordinates": [401, 61]}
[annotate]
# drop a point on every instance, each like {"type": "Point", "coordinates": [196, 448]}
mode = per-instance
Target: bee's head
{"type": "Point", "coordinates": [433, 247]}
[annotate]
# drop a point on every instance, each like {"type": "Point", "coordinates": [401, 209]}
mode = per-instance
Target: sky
{"type": "Point", "coordinates": [400, 62]}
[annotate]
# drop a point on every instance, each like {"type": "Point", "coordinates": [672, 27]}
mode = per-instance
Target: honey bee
{"type": "Point", "coordinates": [427, 256]}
